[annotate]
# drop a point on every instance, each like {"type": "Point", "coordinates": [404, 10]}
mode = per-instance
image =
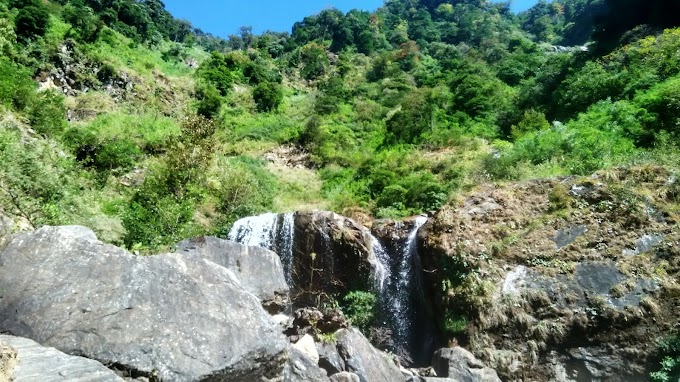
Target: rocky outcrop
{"type": "Point", "coordinates": [330, 257]}
{"type": "Point", "coordinates": [176, 317]}
{"type": "Point", "coordinates": [25, 361]}
{"type": "Point", "coordinates": [364, 360]}
{"type": "Point", "coordinates": [460, 365]}
{"type": "Point", "coordinates": [259, 270]}
{"type": "Point", "coordinates": [301, 368]}
{"type": "Point", "coordinates": [563, 279]}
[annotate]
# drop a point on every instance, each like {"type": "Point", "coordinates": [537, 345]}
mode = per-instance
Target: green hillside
{"type": "Point", "coordinates": [117, 116]}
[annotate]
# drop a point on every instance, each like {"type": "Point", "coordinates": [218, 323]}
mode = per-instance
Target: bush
{"type": "Point", "coordinates": [359, 307]}
{"type": "Point", "coordinates": [268, 96]}
{"type": "Point", "coordinates": [31, 22]}
{"type": "Point", "coordinates": [669, 351]}
{"type": "Point", "coordinates": [243, 188]}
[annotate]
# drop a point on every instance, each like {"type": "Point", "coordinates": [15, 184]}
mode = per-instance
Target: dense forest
{"type": "Point", "coordinates": [118, 116]}
{"type": "Point", "coordinates": [150, 130]}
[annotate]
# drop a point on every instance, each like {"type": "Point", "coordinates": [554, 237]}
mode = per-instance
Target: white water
{"type": "Point", "coordinates": [381, 262]}
{"type": "Point", "coordinates": [284, 246]}
{"type": "Point", "coordinates": [255, 231]}
{"type": "Point", "coordinates": [398, 285]}
{"type": "Point", "coordinates": [270, 231]}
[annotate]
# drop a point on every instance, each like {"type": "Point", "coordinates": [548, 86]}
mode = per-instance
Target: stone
{"type": "Point", "coordinates": [330, 253]}
{"type": "Point", "coordinates": [300, 368]}
{"type": "Point", "coordinates": [345, 377]}
{"type": "Point", "coordinates": [567, 236]}
{"type": "Point", "coordinates": [8, 361]}
{"type": "Point", "coordinates": [174, 317]}
{"type": "Point", "coordinates": [329, 358]}
{"type": "Point", "coordinates": [362, 359]}
{"type": "Point", "coordinates": [460, 365]}
{"type": "Point", "coordinates": [430, 379]}
{"type": "Point", "coordinates": [33, 362]}
{"type": "Point", "coordinates": [259, 270]}
{"type": "Point", "coordinates": [307, 346]}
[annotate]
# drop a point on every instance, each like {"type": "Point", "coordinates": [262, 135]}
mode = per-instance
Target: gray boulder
{"type": "Point", "coordinates": [259, 270]}
{"type": "Point", "coordinates": [175, 317]}
{"type": "Point", "coordinates": [32, 362]}
{"type": "Point", "coordinates": [329, 358]}
{"type": "Point", "coordinates": [460, 365]}
{"type": "Point", "coordinates": [345, 377]}
{"type": "Point", "coordinates": [362, 359]}
{"type": "Point", "coordinates": [301, 368]}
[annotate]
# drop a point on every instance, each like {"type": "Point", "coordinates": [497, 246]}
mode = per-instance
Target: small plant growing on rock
{"type": "Point", "coordinates": [669, 351]}
{"type": "Point", "coordinates": [360, 307]}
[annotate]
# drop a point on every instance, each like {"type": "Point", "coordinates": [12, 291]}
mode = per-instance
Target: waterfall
{"type": "Point", "coordinates": [271, 231]}
{"type": "Point", "coordinates": [284, 245]}
{"type": "Point", "coordinates": [398, 283]}
{"type": "Point", "coordinates": [255, 231]}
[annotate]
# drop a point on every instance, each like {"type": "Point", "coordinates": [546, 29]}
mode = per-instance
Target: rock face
{"type": "Point", "coordinates": [460, 365]}
{"type": "Point", "coordinates": [363, 360]}
{"type": "Point", "coordinates": [259, 270]}
{"type": "Point", "coordinates": [565, 279]}
{"type": "Point", "coordinates": [31, 362]}
{"type": "Point", "coordinates": [330, 257]}
{"type": "Point", "coordinates": [177, 317]}
{"type": "Point", "coordinates": [300, 368]}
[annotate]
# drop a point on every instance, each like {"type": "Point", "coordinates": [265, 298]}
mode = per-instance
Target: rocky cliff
{"type": "Point", "coordinates": [571, 279]}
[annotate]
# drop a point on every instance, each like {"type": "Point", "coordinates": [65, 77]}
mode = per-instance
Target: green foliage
{"type": "Point", "coordinates": [16, 87]}
{"type": "Point", "coordinates": [36, 182]}
{"type": "Point", "coordinates": [268, 96]}
{"type": "Point", "coordinates": [242, 188]}
{"type": "Point", "coordinates": [31, 22]}
{"type": "Point", "coordinates": [669, 352]}
{"type": "Point", "coordinates": [161, 210]}
{"type": "Point", "coordinates": [359, 307]}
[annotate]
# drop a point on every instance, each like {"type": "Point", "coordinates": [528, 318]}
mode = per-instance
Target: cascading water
{"type": "Point", "coordinates": [284, 245]}
{"type": "Point", "coordinates": [399, 286]}
{"type": "Point", "coordinates": [255, 231]}
{"type": "Point", "coordinates": [271, 231]}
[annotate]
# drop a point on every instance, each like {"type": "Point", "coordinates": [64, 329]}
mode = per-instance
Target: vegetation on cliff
{"type": "Point", "coordinates": [117, 116]}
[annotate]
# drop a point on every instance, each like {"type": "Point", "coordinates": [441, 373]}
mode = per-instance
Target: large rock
{"type": "Point", "coordinates": [178, 317]}
{"type": "Point", "coordinates": [301, 368]}
{"type": "Point", "coordinates": [259, 270]}
{"type": "Point", "coordinates": [362, 359]}
{"type": "Point", "coordinates": [460, 365]}
{"type": "Point", "coordinates": [32, 362]}
{"type": "Point", "coordinates": [330, 257]}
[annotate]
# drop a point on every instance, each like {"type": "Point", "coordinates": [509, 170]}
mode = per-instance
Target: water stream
{"type": "Point", "coordinates": [397, 275]}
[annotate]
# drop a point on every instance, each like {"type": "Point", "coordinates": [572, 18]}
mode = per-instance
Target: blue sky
{"type": "Point", "coordinates": [224, 17]}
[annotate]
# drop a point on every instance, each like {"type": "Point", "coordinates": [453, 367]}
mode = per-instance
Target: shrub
{"type": "Point", "coordinates": [268, 96]}
{"type": "Point", "coordinates": [669, 351]}
{"type": "Point", "coordinates": [31, 22]}
{"type": "Point", "coordinates": [359, 307]}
